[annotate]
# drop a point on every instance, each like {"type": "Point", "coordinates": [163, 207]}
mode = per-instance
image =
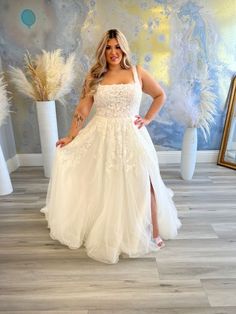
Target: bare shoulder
{"type": "Point", "coordinates": [141, 71]}
{"type": "Point", "coordinates": [85, 96]}
{"type": "Point", "coordinates": [149, 84]}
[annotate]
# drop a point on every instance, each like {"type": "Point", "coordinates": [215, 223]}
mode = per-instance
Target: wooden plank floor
{"type": "Point", "coordinates": [196, 273]}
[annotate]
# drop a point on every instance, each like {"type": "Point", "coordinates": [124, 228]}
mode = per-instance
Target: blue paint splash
{"type": "Point", "coordinates": [148, 58]}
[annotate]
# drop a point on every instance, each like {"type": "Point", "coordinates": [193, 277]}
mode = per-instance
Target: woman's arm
{"type": "Point", "coordinates": [152, 88]}
{"type": "Point", "coordinates": [81, 112]}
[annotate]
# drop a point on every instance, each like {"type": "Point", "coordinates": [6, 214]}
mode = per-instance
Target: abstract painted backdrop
{"type": "Point", "coordinates": [184, 44]}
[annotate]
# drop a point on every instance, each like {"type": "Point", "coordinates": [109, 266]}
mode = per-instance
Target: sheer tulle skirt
{"type": "Point", "coordinates": [99, 192]}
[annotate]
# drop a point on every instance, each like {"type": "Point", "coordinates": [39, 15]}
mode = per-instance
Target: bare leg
{"type": "Point", "coordinates": [154, 214]}
{"type": "Point", "coordinates": [156, 236]}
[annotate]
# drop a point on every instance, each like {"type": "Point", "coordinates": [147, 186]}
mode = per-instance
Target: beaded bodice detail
{"type": "Point", "coordinates": [119, 100]}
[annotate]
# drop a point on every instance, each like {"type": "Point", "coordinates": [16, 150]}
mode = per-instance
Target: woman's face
{"type": "Point", "coordinates": [113, 52]}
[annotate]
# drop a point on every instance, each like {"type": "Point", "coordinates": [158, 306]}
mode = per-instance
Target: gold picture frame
{"type": "Point", "coordinates": [227, 152]}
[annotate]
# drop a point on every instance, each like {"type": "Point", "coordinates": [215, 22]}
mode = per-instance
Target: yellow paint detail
{"type": "Point", "coordinates": [148, 43]}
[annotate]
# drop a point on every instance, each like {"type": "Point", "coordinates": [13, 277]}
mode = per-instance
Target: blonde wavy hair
{"type": "Point", "coordinates": [98, 70]}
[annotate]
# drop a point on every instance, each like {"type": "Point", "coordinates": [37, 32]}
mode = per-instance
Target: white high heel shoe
{"type": "Point", "coordinates": [159, 242]}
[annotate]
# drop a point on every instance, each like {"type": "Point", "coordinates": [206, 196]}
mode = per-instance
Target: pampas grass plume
{"type": "Point", "coordinates": [47, 77]}
{"type": "Point", "coordinates": [4, 101]}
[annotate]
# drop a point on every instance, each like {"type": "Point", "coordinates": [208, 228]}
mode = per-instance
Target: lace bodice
{"type": "Point", "coordinates": [118, 100]}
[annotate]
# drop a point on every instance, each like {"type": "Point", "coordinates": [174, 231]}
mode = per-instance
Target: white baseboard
{"type": "Point", "coordinates": [24, 160]}
{"type": "Point", "coordinates": [164, 157]}
{"type": "Point", "coordinates": [30, 159]}
{"type": "Point", "coordinates": [174, 156]}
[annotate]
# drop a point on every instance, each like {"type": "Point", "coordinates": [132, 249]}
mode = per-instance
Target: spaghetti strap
{"type": "Point", "coordinates": [135, 73]}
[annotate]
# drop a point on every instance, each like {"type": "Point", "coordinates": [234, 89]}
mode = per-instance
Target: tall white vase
{"type": "Point", "coordinates": [5, 181]}
{"type": "Point", "coordinates": [189, 153]}
{"type": "Point", "coordinates": [46, 112]}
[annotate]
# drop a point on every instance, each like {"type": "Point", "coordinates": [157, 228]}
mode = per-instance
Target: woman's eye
{"type": "Point", "coordinates": [117, 47]}
{"type": "Point", "coordinates": [108, 47]}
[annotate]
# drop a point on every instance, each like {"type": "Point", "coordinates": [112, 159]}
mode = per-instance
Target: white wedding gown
{"type": "Point", "coordinates": [99, 192]}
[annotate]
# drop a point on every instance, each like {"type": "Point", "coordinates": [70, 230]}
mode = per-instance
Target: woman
{"type": "Point", "coordinates": [106, 192]}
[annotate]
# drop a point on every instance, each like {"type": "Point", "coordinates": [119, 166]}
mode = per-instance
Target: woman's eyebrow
{"type": "Point", "coordinates": [109, 46]}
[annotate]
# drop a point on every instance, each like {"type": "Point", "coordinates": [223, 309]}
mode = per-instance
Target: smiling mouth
{"type": "Point", "coordinates": [114, 58]}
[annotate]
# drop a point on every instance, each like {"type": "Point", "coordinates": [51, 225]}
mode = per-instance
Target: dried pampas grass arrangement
{"type": "Point", "coordinates": [207, 108]}
{"type": "Point", "coordinates": [191, 113]}
{"type": "Point", "coordinates": [192, 95]}
{"type": "Point", "coordinates": [48, 76]}
{"type": "Point", "coordinates": [4, 101]}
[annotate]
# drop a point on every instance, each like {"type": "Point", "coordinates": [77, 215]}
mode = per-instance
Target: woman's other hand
{"type": "Point", "coordinates": [64, 141]}
{"type": "Point", "coordinates": [139, 122]}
